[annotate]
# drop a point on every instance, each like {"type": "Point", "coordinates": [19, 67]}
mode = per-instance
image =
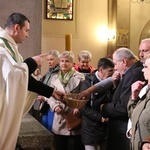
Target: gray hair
{"type": "Point", "coordinates": [54, 53]}
{"type": "Point", "coordinates": [85, 54]}
{"type": "Point", "coordinates": [124, 53]}
{"type": "Point", "coordinates": [67, 54]}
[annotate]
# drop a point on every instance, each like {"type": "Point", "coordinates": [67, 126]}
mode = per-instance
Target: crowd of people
{"type": "Point", "coordinates": [116, 116]}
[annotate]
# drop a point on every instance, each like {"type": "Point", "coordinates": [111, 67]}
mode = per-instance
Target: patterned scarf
{"type": "Point", "coordinates": [65, 78]}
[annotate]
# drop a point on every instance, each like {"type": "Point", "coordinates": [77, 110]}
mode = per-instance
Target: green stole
{"type": "Point", "coordinates": [9, 47]}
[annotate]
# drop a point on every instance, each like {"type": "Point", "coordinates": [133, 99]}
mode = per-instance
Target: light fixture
{"type": "Point", "coordinates": [139, 1]}
{"type": "Point", "coordinates": [111, 35]}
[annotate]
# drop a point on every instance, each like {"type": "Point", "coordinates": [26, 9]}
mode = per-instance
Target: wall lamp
{"type": "Point", "coordinates": [111, 35]}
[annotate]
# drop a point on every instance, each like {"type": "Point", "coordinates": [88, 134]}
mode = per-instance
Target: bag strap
{"type": "Point", "coordinates": [9, 47]}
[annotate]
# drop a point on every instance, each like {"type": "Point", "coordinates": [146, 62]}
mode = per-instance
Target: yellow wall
{"type": "Point", "coordinates": [89, 17]}
{"type": "Point", "coordinates": [139, 16]}
{"type": "Point", "coordinates": [136, 15]}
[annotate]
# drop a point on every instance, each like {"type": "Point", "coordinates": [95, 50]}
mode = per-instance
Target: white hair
{"type": "Point", "coordinates": [124, 53]}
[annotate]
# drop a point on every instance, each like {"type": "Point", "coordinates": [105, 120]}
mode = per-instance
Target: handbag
{"type": "Point", "coordinates": [47, 120]}
{"type": "Point", "coordinates": [73, 122]}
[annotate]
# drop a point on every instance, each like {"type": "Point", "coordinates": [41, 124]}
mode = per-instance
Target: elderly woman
{"type": "Point", "coordinates": [139, 110]}
{"type": "Point", "coordinates": [84, 58]}
{"type": "Point", "coordinates": [53, 64]}
{"type": "Point", "coordinates": [66, 80]}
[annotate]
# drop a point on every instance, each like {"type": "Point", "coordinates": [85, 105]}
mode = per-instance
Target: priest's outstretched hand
{"type": "Point", "coordinates": [58, 95]}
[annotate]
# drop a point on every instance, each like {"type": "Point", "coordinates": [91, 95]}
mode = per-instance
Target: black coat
{"type": "Point", "coordinates": [116, 111]}
{"type": "Point", "coordinates": [33, 84]}
{"type": "Point", "coordinates": [93, 130]}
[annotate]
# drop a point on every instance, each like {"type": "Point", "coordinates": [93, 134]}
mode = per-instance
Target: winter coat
{"type": "Point", "coordinates": [140, 120]}
{"type": "Point", "coordinates": [93, 130]}
{"type": "Point", "coordinates": [59, 124]}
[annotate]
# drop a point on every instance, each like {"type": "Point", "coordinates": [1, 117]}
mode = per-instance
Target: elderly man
{"type": "Point", "coordinates": [116, 111]}
{"type": "Point", "coordinates": [130, 71]}
{"type": "Point", "coordinates": [144, 49]}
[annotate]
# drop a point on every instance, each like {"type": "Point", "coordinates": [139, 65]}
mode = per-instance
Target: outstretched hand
{"type": "Point", "coordinates": [86, 93]}
{"type": "Point", "coordinates": [58, 95]}
{"type": "Point", "coordinates": [83, 95]}
{"type": "Point", "coordinates": [39, 59]}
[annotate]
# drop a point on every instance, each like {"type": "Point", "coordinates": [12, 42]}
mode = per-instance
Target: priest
{"type": "Point", "coordinates": [16, 80]}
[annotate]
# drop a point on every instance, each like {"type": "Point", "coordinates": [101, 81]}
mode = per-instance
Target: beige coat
{"type": "Point", "coordinates": [59, 124]}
